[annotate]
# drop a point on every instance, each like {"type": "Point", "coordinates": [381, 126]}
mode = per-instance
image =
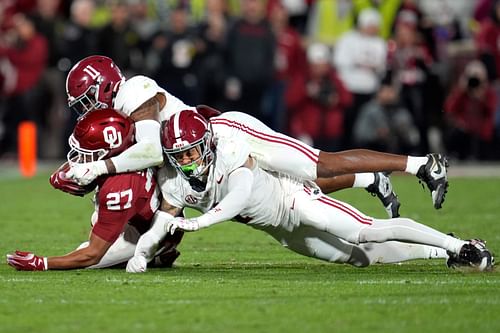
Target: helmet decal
{"type": "Point", "coordinates": [92, 72]}
{"type": "Point", "coordinates": [112, 137]}
{"type": "Point", "coordinates": [100, 134]}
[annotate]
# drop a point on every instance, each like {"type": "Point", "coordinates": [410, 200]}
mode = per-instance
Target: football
{"type": "Point", "coordinates": [59, 181]}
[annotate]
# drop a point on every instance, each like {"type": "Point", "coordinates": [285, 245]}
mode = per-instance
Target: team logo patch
{"type": "Point", "coordinates": [112, 137]}
{"type": "Point", "coordinates": [190, 199]}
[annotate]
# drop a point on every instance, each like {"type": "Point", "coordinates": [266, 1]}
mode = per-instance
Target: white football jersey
{"type": "Point", "coordinates": [138, 89]}
{"type": "Point", "coordinates": [271, 201]}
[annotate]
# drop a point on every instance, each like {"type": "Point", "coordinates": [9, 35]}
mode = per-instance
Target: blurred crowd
{"type": "Point", "coordinates": [401, 76]}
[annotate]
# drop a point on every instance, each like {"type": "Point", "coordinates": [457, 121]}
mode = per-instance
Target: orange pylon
{"type": "Point", "coordinates": [27, 145]}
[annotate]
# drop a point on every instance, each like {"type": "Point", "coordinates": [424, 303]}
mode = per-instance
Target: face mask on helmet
{"type": "Point", "coordinates": [78, 154]}
{"type": "Point", "coordinates": [86, 102]}
{"type": "Point", "coordinates": [187, 143]}
{"type": "Point", "coordinates": [100, 134]}
{"type": "Point", "coordinates": [92, 84]}
{"type": "Point", "coordinates": [194, 161]}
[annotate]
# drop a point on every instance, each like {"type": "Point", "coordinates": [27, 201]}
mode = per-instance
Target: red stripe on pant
{"type": "Point", "coordinates": [340, 206]}
{"type": "Point", "coordinates": [267, 137]}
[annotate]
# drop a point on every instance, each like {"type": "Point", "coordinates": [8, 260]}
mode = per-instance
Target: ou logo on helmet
{"type": "Point", "coordinates": [112, 137]}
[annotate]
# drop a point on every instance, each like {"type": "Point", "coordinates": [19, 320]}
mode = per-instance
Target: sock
{"type": "Point", "coordinates": [453, 244]}
{"type": "Point", "coordinates": [414, 163]}
{"type": "Point", "coordinates": [436, 252]}
{"type": "Point", "coordinates": [363, 179]}
{"type": "Point", "coordinates": [394, 252]}
{"type": "Point", "coordinates": [407, 230]}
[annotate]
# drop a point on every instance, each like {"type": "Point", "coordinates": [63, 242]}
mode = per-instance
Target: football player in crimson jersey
{"type": "Point", "coordinates": [148, 105]}
{"type": "Point", "coordinates": [219, 177]}
{"type": "Point", "coordinates": [122, 200]}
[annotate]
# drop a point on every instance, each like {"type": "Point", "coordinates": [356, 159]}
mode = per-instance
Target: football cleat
{"type": "Point", "coordinates": [382, 188]}
{"type": "Point", "coordinates": [473, 254]}
{"type": "Point", "coordinates": [433, 173]}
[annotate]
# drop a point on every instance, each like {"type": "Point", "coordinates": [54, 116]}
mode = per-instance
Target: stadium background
{"type": "Point", "coordinates": [230, 278]}
{"type": "Point", "coordinates": [205, 52]}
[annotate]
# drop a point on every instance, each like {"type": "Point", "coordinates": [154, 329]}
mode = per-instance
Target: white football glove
{"type": "Point", "coordinates": [182, 224]}
{"type": "Point", "coordinates": [137, 264]}
{"type": "Point", "coordinates": [86, 173]}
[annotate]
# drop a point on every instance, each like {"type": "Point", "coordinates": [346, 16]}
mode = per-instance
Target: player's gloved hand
{"type": "Point", "coordinates": [181, 223]}
{"type": "Point", "coordinates": [86, 173]}
{"type": "Point", "coordinates": [59, 180]}
{"type": "Point", "coordinates": [137, 264]}
{"type": "Point", "coordinates": [27, 261]}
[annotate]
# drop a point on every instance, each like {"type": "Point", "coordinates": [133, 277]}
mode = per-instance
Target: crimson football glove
{"type": "Point", "coordinates": [27, 261]}
{"type": "Point", "coordinates": [60, 181]}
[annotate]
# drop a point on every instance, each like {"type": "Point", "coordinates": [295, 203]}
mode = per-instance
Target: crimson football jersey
{"type": "Point", "coordinates": [122, 198]}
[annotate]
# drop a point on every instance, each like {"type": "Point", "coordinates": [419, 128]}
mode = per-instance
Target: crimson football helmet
{"type": "Point", "coordinates": [181, 132]}
{"type": "Point", "coordinates": [92, 84]}
{"type": "Point", "coordinates": [100, 134]}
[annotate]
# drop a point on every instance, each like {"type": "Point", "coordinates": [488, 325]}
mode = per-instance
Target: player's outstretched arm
{"type": "Point", "coordinates": [240, 182]}
{"type": "Point", "coordinates": [81, 258]}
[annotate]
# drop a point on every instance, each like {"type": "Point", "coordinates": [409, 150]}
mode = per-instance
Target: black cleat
{"type": "Point", "coordinates": [433, 173]}
{"type": "Point", "coordinates": [382, 188]}
{"type": "Point", "coordinates": [474, 255]}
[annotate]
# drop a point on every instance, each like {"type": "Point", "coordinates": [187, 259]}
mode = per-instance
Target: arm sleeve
{"type": "Point", "coordinates": [240, 183]}
{"type": "Point", "coordinates": [145, 153]}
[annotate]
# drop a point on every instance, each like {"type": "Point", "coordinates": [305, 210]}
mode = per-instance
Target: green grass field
{"type": "Point", "coordinates": [231, 278]}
